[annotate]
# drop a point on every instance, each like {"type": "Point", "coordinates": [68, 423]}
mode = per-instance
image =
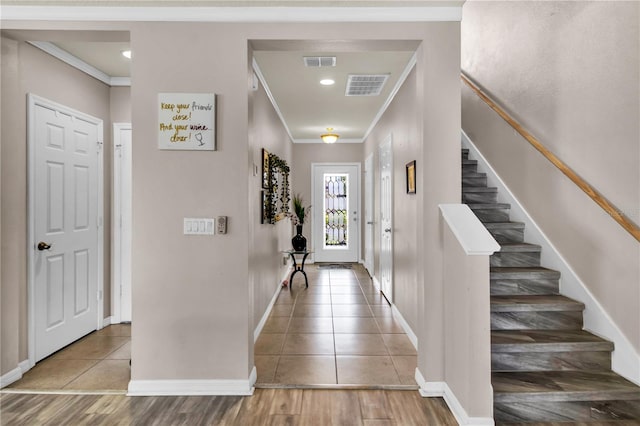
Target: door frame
{"type": "Point", "coordinates": [117, 233]}
{"type": "Point", "coordinates": [369, 180]}
{"type": "Point", "coordinates": [32, 102]}
{"type": "Point", "coordinates": [359, 201]}
{"type": "Point", "coordinates": [387, 141]}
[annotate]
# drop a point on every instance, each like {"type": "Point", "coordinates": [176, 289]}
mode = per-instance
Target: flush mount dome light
{"type": "Point", "coordinates": [126, 54]}
{"type": "Point", "coordinates": [329, 137]}
{"type": "Point", "coordinates": [327, 82]}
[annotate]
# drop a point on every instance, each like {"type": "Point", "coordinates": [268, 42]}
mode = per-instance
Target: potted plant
{"type": "Point", "coordinates": [300, 213]}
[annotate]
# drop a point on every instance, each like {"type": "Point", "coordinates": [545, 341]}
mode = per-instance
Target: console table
{"type": "Point", "coordinates": [298, 267]}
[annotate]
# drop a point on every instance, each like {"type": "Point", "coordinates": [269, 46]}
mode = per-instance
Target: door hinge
{"type": "Point", "coordinates": [99, 295]}
{"type": "Point", "coordinates": [99, 145]}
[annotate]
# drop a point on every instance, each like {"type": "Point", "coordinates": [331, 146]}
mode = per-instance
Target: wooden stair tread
{"type": "Point", "coordinates": [489, 206]}
{"type": "Point", "coordinates": [513, 303]}
{"type": "Point", "coordinates": [538, 386]}
{"type": "Point", "coordinates": [499, 225]}
{"type": "Point", "coordinates": [547, 341]}
{"type": "Point", "coordinates": [523, 273]}
{"type": "Point", "coordinates": [489, 189]}
{"type": "Point", "coordinates": [519, 247]}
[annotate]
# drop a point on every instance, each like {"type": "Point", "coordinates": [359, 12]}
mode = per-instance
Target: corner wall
{"type": "Point", "coordinates": [568, 71]}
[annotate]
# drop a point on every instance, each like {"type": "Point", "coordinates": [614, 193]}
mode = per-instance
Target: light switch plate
{"type": "Point", "coordinates": [198, 226]}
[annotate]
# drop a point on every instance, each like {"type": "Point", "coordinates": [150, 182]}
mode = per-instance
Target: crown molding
{"type": "Point", "coordinates": [436, 13]}
{"type": "Point", "coordinates": [79, 64]}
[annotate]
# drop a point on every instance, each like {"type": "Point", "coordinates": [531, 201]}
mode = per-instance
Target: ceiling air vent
{"type": "Point", "coordinates": [319, 61]}
{"type": "Point", "coordinates": [365, 85]}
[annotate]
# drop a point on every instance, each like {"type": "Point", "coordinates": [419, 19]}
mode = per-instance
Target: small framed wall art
{"type": "Point", "coordinates": [411, 177]}
{"type": "Point", "coordinates": [187, 121]}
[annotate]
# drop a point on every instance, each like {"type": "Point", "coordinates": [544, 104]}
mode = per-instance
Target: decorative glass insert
{"type": "Point", "coordinates": [336, 207]}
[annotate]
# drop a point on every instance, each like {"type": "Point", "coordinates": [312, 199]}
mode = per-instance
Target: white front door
{"type": "Point", "coordinates": [64, 234]}
{"type": "Point", "coordinates": [121, 224]}
{"type": "Point", "coordinates": [368, 214]}
{"type": "Point", "coordinates": [335, 211]}
{"type": "Point", "coordinates": [386, 219]}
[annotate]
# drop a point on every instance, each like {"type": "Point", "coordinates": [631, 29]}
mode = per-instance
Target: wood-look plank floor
{"type": "Point", "coordinates": [266, 407]}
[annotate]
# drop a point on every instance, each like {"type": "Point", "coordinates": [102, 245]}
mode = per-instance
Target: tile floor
{"type": "Point", "coordinates": [97, 362]}
{"type": "Point", "coordinates": [339, 331]}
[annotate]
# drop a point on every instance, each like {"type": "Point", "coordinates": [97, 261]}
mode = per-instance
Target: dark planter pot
{"type": "Point", "coordinates": [299, 242]}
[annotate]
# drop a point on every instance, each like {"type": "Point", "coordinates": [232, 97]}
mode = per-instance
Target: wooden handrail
{"type": "Point", "coordinates": [608, 207]}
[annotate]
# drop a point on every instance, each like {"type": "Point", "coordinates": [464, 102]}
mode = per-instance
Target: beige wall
{"type": "Point", "coordinates": [402, 121]}
{"type": "Point", "coordinates": [304, 155]}
{"type": "Point", "coordinates": [266, 241]}
{"type": "Point", "coordinates": [26, 69]}
{"type": "Point", "coordinates": [569, 72]}
{"type": "Point", "coordinates": [120, 104]}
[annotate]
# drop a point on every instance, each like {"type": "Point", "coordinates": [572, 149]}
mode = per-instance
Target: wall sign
{"type": "Point", "coordinates": [187, 121]}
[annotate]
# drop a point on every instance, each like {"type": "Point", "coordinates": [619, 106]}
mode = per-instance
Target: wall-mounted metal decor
{"type": "Point", "coordinates": [276, 195]}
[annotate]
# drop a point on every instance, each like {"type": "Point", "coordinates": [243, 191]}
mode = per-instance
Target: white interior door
{"type": "Point", "coordinates": [368, 214]}
{"type": "Point", "coordinates": [121, 224]}
{"type": "Point", "coordinates": [64, 235]}
{"type": "Point", "coordinates": [386, 218]}
{"type": "Point", "coordinates": [335, 210]}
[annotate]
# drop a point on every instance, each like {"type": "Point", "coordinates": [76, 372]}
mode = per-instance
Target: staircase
{"type": "Point", "coordinates": [545, 368]}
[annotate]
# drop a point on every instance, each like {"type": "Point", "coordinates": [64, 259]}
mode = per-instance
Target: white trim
{"type": "Point", "coordinates": [233, 14]}
{"type": "Point", "coordinates": [192, 387]}
{"type": "Point", "coordinates": [267, 312]}
{"type": "Point", "coordinates": [120, 81]}
{"type": "Point", "coordinates": [394, 92]}
{"type": "Point", "coordinates": [10, 377]}
{"type": "Point", "coordinates": [442, 390]}
{"type": "Point", "coordinates": [15, 374]}
{"type": "Point", "coordinates": [116, 222]}
{"type": "Point", "coordinates": [79, 64]}
{"type": "Point", "coordinates": [32, 101]}
{"type": "Point", "coordinates": [625, 360]}
{"type": "Point", "coordinates": [469, 231]}
{"type": "Point", "coordinates": [405, 326]}
{"type": "Point", "coordinates": [258, 73]}
{"type": "Point", "coordinates": [108, 321]}
{"type": "Point", "coordinates": [376, 283]}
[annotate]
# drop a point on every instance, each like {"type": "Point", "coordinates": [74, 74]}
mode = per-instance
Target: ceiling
{"type": "Point", "coordinates": [306, 107]}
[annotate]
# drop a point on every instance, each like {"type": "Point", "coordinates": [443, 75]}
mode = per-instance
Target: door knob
{"type": "Point", "coordinates": [387, 230]}
{"type": "Point", "coordinates": [43, 246]}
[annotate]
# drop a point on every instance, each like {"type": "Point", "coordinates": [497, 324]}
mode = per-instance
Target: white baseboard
{"type": "Point", "coordinates": [405, 326]}
{"type": "Point", "coordinates": [625, 360]}
{"type": "Point", "coordinates": [376, 283]}
{"type": "Point", "coordinates": [15, 374]}
{"type": "Point", "coordinates": [193, 387]}
{"type": "Point", "coordinates": [267, 312]}
{"type": "Point", "coordinates": [442, 390]}
{"type": "Point", "coordinates": [10, 377]}
{"type": "Point", "coordinates": [107, 321]}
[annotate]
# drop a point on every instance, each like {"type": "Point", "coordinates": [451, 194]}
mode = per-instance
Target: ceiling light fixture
{"type": "Point", "coordinates": [329, 137]}
{"type": "Point", "coordinates": [126, 54]}
{"type": "Point", "coordinates": [327, 82]}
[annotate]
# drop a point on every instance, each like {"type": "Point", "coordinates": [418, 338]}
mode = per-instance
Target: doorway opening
{"type": "Point", "coordinates": [341, 330]}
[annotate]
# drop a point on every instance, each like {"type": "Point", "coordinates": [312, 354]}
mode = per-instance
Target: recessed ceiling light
{"type": "Point", "coordinates": [327, 82]}
{"type": "Point", "coordinates": [126, 54]}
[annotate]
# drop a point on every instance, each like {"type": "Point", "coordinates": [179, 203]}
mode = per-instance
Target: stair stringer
{"type": "Point", "coordinates": [625, 361]}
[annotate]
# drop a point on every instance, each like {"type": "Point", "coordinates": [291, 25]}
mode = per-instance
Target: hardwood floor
{"type": "Point", "coordinates": [265, 407]}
